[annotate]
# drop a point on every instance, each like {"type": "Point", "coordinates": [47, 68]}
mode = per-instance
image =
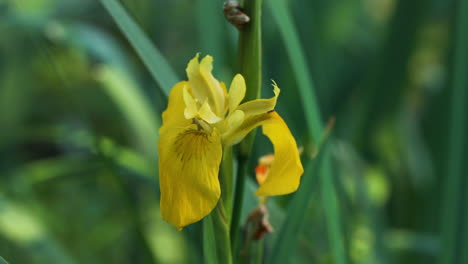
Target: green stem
{"type": "Point", "coordinates": [216, 226]}
{"type": "Point", "coordinates": [250, 49]}
{"type": "Point", "coordinates": [238, 198]}
{"type": "Point", "coordinates": [227, 183]}
{"type": "Point", "coordinates": [250, 62]}
{"type": "Point", "coordinates": [259, 251]}
{"type": "Point", "coordinates": [221, 228]}
{"type": "Point", "coordinates": [216, 239]}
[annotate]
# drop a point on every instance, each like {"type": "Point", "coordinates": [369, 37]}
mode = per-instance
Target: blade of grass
{"type": "Point", "coordinates": [134, 106]}
{"type": "Point", "coordinates": [383, 89]}
{"type": "Point", "coordinates": [285, 245]}
{"type": "Point", "coordinates": [290, 37]}
{"type": "Point", "coordinates": [452, 219]}
{"type": "Point", "coordinates": [149, 54]}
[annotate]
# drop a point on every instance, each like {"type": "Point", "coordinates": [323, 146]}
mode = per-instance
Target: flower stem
{"type": "Point", "coordinates": [216, 242]}
{"type": "Point", "coordinates": [220, 225]}
{"type": "Point", "coordinates": [227, 181]}
{"type": "Point", "coordinates": [250, 55]}
{"type": "Point", "coordinates": [238, 199]}
{"type": "Point", "coordinates": [216, 226]}
{"type": "Point", "coordinates": [250, 49]}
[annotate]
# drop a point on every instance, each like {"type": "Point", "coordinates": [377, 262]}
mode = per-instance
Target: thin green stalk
{"type": "Point", "coordinates": [451, 221]}
{"type": "Point", "coordinates": [221, 224]}
{"type": "Point", "coordinates": [250, 62]}
{"type": "Point", "coordinates": [216, 229]}
{"type": "Point", "coordinates": [250, 49]}
{"type": "Point", "coordinates": [260, 251]}
{"type": "Point", "coordinates": [238, 199]}
{"type": "Point", "coordinates": [227, 171]}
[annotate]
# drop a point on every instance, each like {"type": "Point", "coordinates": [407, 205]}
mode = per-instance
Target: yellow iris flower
{"type": "Point", "coordinates": [201, 118]}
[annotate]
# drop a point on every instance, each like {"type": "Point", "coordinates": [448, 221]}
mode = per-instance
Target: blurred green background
{"type": "Point", "coordinates": [79, 114]}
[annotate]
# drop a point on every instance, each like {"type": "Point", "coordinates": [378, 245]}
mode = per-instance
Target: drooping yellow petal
{"type": "Point", "coordinates": [236, 92]}
{"type": "Point", "coordinates": [286, 170]}
{"type": "Point", "coordinates": [188, 173]}
{"type": "Point", "coordinates": [260, 106]}
{"type": "Point", "coordinates": [204, 85]}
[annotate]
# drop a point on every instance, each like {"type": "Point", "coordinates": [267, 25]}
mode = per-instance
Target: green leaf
{"type": "Point", "coordinates": [134, 106]}
{"type": "Point", "coordinates": [455, 209]}
{"type": "Point", "coordinates": [149, 54]}
{"type": "Point", "coordinates": [286, 243]}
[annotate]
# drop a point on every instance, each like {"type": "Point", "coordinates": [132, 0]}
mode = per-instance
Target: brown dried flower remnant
{"type": "Point", "coordinates": [235, 16]}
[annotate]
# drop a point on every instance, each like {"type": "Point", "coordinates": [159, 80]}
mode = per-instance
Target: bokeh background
{"type": "Point", "coordinates": [79, 114]}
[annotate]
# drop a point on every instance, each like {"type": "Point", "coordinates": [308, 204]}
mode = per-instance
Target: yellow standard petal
{"type": "Point", "coordinates": [236, 92]}
{"type": "Point", "coordinates": [207, 114]}
{"type": "Point", "coordinates": [204, 85]}
{"type": "Point", "coordinates": [286, 170]}
{"type": "Point", "coordinates": [188, 173]}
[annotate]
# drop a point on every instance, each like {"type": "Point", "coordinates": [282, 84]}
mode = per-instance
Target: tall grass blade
{"type": "Point", "coordinates": [134, 106]}
{"type": "Point", "coordinates": [452, 219]}
{"type": "Point", "coordinates": [149, 54]}
{"type": "Point", "coordinates": [291, 228]}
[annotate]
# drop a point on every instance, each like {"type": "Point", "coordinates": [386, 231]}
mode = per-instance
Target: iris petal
{"type": "Point", "coordinates": [236, 134]}
{"type": "Point", "coordinates": [174, 114]}
{"type": "Point", "coordinates": [236, 92]}
{"type": "Point", "coordinates": [235, 120]}
{"type": "Point", "coordinates": [207, 114]}
{"type": "Point", "coordinates": [189, 162]}
{"type": "Point", "coordinates": [286, 170]}
{"type": "Point", "coordinates": [204, 85]}
{"type": "Point", "coordinates": [259, 106]}
{"type": "Point", "coordinates": [188, 173]}
{"type": "Point", "coordinates": [191, 109]}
